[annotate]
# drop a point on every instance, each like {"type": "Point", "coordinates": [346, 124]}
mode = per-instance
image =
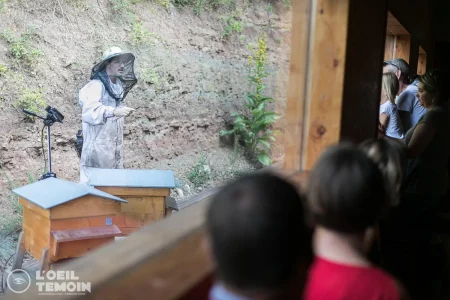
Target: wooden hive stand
{"type": "Point", "coordinates": [145, 191]}
{"type": "Point", "coordinates": [62, 219]}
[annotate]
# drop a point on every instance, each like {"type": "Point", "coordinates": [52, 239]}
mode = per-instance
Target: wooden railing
{"type": "Point", "coordinates": [164, 260]}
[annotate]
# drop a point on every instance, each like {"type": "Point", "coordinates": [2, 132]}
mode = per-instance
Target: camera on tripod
{"type": "Point", "coordinates": [53, 115]}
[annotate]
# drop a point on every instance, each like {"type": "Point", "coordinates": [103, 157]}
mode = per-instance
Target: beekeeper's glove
{"type": "Point", "coordinates": [122, 111]}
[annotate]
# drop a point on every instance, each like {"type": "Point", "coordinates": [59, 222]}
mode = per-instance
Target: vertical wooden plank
{"type": "Point", "coordinates": [341, 80]}
{"type": "Point", "coordinates": [363, 71]}
{"type": "Point", "coordinates": [422, 64]}
{"type": "Point", "coordinates": [413, 55]}
{"type": "Point", "coordinates": [326, 77]}
{"type": "Point", "coordinates": [402, 47]}
{"type": "Point", "coordinates": [299, 64]}
{"type": "Point", "coordinates": [389, 47]}
{"type": "Point", "coordinates": [36, 232]}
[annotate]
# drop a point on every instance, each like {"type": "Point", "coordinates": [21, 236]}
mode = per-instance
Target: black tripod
{"type": "Point", "coordinates": [53, 115]}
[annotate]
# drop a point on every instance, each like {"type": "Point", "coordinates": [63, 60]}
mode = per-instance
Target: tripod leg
{"type": "Point", "coordinates": [20, 252]}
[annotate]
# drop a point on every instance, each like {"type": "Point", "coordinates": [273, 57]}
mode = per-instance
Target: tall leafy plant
{"type": "Point", "coordinates": [253, 127]}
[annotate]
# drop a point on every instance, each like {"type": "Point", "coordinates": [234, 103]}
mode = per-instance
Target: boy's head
{"type": "Point", "coordinates": [389, 157]}
{"type": "Point", "coordinates": [346, 191]}
{"type": "Point", "coordinates": [257, 234]}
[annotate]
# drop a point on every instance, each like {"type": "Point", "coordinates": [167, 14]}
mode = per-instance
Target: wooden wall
{"type": "Point", "coordinates": [417, 18]}
{"type": "Point", "coordinates": [36, 232]}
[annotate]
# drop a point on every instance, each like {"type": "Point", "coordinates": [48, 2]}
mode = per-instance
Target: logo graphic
{"type": "Point", "coordinates": [18, 281]}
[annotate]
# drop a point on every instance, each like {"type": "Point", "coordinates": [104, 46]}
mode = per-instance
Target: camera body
{"type": "Point", "coordinates": [54, 115]}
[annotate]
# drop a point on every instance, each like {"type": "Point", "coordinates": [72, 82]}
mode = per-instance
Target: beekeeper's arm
{"type": "Point", "coordinates": [93, 111]}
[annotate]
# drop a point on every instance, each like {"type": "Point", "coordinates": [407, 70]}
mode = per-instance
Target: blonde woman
{"type": "Point", "coordinates": [389, 119]}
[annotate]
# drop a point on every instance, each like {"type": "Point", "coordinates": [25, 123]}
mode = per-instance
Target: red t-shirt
{"type": "Point", "coordinates": [333, 281]}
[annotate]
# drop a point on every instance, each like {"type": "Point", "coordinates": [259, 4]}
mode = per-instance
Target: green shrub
{"type": "Point", "coordinates": [32, 100]}
{"type": "Point", "coordinates": [254, 127]}
{"type": "Point", "coordinates": [22, 48]}
{"type": "Point", "coordinates": [3, 70]}
{"type": "Point", "coordinates": [141, 36]}
{"type": "Point", "coordinates": [233, 24]}
{"type": "Point", "coordinates": [200, 172]}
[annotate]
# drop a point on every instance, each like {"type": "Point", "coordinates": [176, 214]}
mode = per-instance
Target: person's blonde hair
{"type": "Point", "coordinates": [390, 86]}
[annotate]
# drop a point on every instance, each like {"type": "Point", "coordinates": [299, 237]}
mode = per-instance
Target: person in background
{"type": "Point", "coordinates": [389, 157]}
{"type": "Point", "coordinates": [103, 110]}
{"type": "Point", "coordinates": [410, 111]}
{"type": "Point", "coordinates": [258, 239]}
{"type": "Point", "coordinates": [347, 195]}
{"type": "Point", "coordinates": [389, 118]}
{"type": "Point", "coordinates": [426, 181]}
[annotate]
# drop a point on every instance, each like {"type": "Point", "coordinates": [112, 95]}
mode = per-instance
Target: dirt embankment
{"type": "Point", "coordinates": [191, 79]}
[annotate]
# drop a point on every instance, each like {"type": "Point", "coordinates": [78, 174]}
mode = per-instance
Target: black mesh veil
{"type": "Point", "coordinates": [126, 77]}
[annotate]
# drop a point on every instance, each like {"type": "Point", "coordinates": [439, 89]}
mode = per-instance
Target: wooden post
{"type": "Point", "coordinates": [402, 47]}
{"type": "Point", "coordinates": [298, 85]}
{"type": "Point", "coordinates": [422, 64]}
{"type": "Point", "coordinates": [335, 76]}
{"type": "Point", "coordinates": [413, 55]}
{"type": "Point", "coordinates": [363, 69]}
{"type": "Point", "coordinates": [389, 47]}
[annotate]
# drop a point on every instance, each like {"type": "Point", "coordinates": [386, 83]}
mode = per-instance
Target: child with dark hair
{"type": "Point", "coordinates": [346, 195]}
{"type": "Point", "coordinates": [258, 239]}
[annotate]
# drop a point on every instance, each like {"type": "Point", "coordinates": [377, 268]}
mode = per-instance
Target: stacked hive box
{"type": "Point", "coordinates": [63, 219]}
{"type": "Point", "coordinates": [144, 190]}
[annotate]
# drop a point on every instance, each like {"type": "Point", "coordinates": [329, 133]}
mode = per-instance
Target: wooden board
{"type": "Point", "coordinates": [136, 220]}
{"type": "Point", "coordinates": [326, 77]}
{"type": "Point", "coordinates": [39, 210]}
{"type": "Point", "coordinates": [389, 47]}
{"type": "Point", "coordinates": [296, 118]}
{"type": "Point", "coordinates": [151, 205]}
{"type": "Point", "coordinates": [79, 248]}
{"type": "Point", "coordinates": [394, 27]}
{"type": "Point", "coordinates": [70, 235]}
{"type": "Point", "coordinates": [93, 233]}
{"type": "Point", "coordinates": [36, 232]}
{"type": "Point", "coordinates": [422, 64]}
{"type": "Point", "coordinates": [402, 47]}
{"type": "Point", "coordinates": [413, 55]}
{"type": "Point", "coordinates": [85, 207]}
{"type": "Point", "coordinates": [124, 191]}
{"type": "Point", "coordinates": [86, 222]}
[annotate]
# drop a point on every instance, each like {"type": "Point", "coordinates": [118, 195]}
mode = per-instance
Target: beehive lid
{"type": "Point", "coordinates": [132, 178]}
{"type": "Point", "coordinates": [52, 192]}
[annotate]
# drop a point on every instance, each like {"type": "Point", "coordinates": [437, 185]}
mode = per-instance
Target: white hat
{"type": "Point", "coordinates": [108, 54]}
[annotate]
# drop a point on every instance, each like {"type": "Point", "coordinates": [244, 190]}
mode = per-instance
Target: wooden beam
{"type": "Point", "coordinates": [363, 70]}
{"type": "Point", "coordinates": [326, 78]}
{"type": "Point", "coordinates": [422, 64]}
{"type": "Point", "coordinates": [298, 86]}
{"type": "Point", "coordinates": [402, 47]}
{"type": "Point", "coordinates": [335, 78]}
{"type": "Point", "coordinates": [389, 47]}
{"type": "Point", "coordinates": [394, 27]}
{"type": "Point", "coordinates": [413, 55]}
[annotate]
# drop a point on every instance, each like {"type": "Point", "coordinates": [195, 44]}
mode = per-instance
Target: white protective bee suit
{"type": "Point", "coordinates": [102, 128]}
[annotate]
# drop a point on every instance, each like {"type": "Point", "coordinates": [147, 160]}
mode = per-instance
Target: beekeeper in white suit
{"type": "Point", "coordinates": [103, 111]}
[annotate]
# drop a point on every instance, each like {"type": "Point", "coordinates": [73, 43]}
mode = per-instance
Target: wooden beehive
{"type": "Point", "coordinates": [67, 218]}
{"type": "Point", "coordinates": [144, 190]}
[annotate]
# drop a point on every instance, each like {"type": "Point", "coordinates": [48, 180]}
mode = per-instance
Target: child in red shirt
{"type": "Point", "coordinates": [346, 196]}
